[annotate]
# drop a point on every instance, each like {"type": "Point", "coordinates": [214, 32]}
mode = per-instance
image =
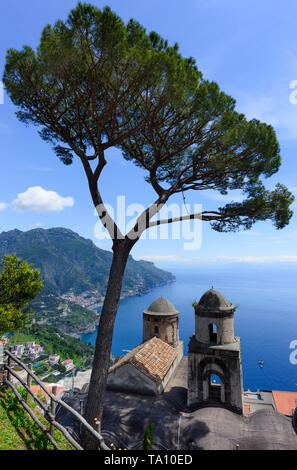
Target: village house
{"type": "Point", "coordinates": [37, 390]}
{"type": "Point", "coordinates": [18, 350]}
{"type": "Point", "coordinates": [280, 401]}
{"type": "Point", "coordinates": [4, 340]}
{"type": "Point", "coordinates": [54, 359]}
{"type": "Point", "coordinates": [68, 363]}
{"type": "Point", "coordinates": [33, 350]}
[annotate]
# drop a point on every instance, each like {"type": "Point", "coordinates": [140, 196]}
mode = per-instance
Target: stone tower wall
{"type": "Point", "coordinates": [204, 361]}
{"type": "Point", "coordinates": [167, 328]}
{"type": "Point", "coordinates": [224, 324]}
{"type": "Point", "coordinates": [215, 351]}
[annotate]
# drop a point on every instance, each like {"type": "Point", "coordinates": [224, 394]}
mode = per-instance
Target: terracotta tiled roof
{"type": "Point", "coordinates": [246, 408]}
{"type": "Point", "coordinates": [154, 358]}
{"type": "Point", "coordinates": [284, 401]}
{"type": "Point", "coordinates": [36, 388]}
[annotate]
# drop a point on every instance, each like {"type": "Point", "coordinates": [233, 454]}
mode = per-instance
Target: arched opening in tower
{"type": "Point", "coordinates": [215, 386]}
{"type": "Point", "coordinates": [213, 334]}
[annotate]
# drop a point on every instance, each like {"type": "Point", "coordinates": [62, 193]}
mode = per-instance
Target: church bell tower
{"type": "Point", "coordinates": [161, 319]}
{"type": "Point", "coordinates": [214, 358]}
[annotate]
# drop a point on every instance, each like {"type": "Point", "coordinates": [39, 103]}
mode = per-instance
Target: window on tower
{"type": "Point", "coordinates": [212, 333]}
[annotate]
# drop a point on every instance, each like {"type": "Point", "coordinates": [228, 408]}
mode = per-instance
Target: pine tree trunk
{"type": "Point", "coordinates": [94, 407]}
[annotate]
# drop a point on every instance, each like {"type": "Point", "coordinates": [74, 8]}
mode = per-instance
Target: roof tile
{"type": "Point", "coordinates": [154, 358]}
{"type": "Point", "coordinates": [285, 402]}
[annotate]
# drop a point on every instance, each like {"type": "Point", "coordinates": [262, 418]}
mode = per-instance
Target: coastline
{"type": "Point", "coordinates": [256, 290]}
{"type": "Point", "coordinates": [77, 333]}
{"type": "Point", "coordinates": [93, 326]}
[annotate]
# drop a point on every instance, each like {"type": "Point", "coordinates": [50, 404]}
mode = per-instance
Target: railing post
{"type": "Point", "coordinates": [2, 373]}
{"type": "Point", "coordinates": [50, 411]}
{"type": "Point", "coordinates": [81, 404]}
{"type": "Point", "coordinates": [2, 370]}
{"type": "Point", "coordinates": [29, 381]}
{"type": "Point", "coordinates": [53, 409]}
{"type": "Point", "coordinates": [9, 364]}
{"type": "Point", "coordinates": [98, 427]}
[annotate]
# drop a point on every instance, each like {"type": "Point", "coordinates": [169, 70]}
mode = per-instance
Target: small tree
{"type": "Point", "coordinates": [19, 284]}
{"type": "Point", "coordinates": [62, 368]}
{"type": "Point", "coordinates": [148, 437]}
{"type": "Point", "coordinates": [95, 83]}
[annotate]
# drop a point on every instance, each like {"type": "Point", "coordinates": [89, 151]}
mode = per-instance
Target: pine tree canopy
{"type": "Point", "coordinates": [95, 83]}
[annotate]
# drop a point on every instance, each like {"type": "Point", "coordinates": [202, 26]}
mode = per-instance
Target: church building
{"type": "Point", "coordinates": [148, 368]}
{"type": "Point", "coordinates": [214, 372]}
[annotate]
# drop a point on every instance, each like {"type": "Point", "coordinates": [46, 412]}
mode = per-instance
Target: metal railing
{"type": "Point", "coordinates": [294, 419]}
{"type": "Point", "coordinates": [49, 410]}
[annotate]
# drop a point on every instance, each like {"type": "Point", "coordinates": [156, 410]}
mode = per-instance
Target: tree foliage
{"type": "Point", "coordinates": [148, 438]}
{"type": "Point", "coordinates": [96, 83]}
{"type": "Point", "coordinates": [19, 284]}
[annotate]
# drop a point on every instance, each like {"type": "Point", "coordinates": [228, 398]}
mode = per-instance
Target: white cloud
{"type": "Point", "coordinates": [263, 108]}
{"type": "Point", "coordinates": [259, 259]}
{"type": "Point", "coordinates": [3, 206]}
{"type": "Point", "coordinates": [38, 199]}
{"type": "Point", "coordinates": [37, 224]}
{"type": "Point", "coordinates": [273, 107]}
{"type": "Point", "coordinates": [224, 197]}
{"type": "Point", "coordinates": [293, 189]}
{"type": "Point", "coordinates": [174, 259]}
{"type": "Point", "coordinates": [222, 259]}
{"type": "Point", "coordinates": [162, 258]}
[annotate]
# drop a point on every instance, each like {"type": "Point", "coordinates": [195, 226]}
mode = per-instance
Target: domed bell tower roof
{"type": "Point", "coordinates": [161, 306]}
{"type": "Point", "coordinates": [213, 300]}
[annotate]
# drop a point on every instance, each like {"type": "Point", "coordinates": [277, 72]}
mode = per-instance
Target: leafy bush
{"type": "Point", "coordinates": [148, 437]}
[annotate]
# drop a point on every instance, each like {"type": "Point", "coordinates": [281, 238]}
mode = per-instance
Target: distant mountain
{"type": "Point", "coordinates": [69, 261]}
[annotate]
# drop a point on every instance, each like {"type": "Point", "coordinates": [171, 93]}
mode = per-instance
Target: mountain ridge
{"type": "Point", "coordinates": [69, 261]}
{"type": "Point", "coordinates": [75, 273]}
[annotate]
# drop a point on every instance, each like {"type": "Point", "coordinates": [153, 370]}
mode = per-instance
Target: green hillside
{"type": "Point", "coordinates": [55, 342]}
{"type": "Point", "coordinates": [69, 261]}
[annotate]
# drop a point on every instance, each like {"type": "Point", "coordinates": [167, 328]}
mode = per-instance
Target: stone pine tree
{"type": "Point", "coordinates": [19, 284]}
{"type": "Point", "coordinates": [95, 83]}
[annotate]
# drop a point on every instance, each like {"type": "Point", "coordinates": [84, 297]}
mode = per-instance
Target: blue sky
{"type": "Point", "coordinates": [249, 48]}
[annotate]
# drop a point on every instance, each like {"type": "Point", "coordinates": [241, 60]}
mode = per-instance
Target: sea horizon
{"type": "Point", "coordinates": [265, 319]}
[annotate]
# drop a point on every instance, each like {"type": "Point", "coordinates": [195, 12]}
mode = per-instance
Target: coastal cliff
{"type": "Point", "coordinates": [75, 273]}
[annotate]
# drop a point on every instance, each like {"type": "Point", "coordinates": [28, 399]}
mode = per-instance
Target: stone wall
{"type": "Point", "coordinates": [224, 324]}
{"type": "Point", "coordinates": [164, 327]}
{"type": "Point", "coordinates": [226, 363]}
{"type": "Point", "coordinates": [130, 379]}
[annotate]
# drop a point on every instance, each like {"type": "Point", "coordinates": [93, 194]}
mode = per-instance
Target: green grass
{"type": "Point", "coordinates": [10, 438]}
{"type": "Point", "coordinates": [17, 429]}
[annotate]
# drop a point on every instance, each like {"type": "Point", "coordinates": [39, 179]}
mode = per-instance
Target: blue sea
{"type": "Point", "coordinates": [265, 320]}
